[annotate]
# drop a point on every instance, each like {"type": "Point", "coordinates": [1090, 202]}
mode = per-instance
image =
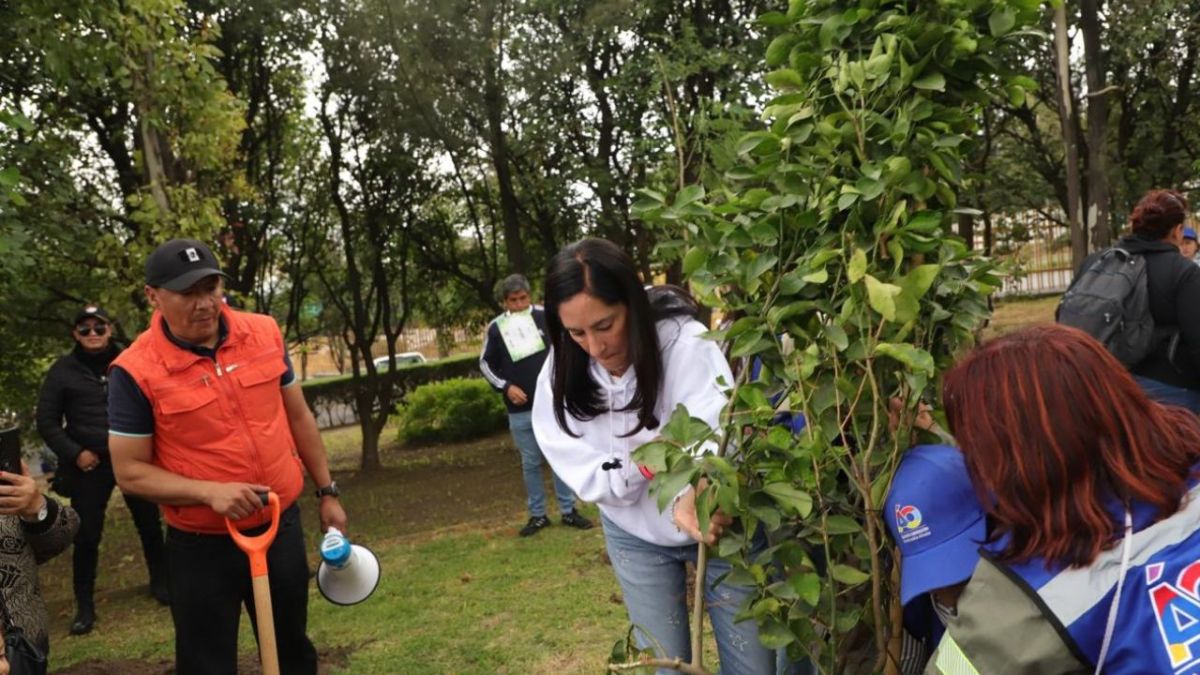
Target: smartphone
{"type": "Point", "coordinates": [10, 450]}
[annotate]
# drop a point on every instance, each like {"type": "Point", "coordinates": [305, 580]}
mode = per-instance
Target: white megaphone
{"type": "Point", "coordinates": [348, 573]}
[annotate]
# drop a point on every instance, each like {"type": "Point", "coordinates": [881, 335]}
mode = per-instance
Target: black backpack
{"type": "Point", "coordinates": [1111, 302]}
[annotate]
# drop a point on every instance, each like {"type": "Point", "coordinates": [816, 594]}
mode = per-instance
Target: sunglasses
{"type": "Point", "coordinates": [88, 330]}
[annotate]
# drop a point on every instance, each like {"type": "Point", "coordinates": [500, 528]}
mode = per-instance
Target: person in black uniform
{"type": "Point", "coordinates": [514, 350]}
{"type": "Point", "coordinates": [72, 417]}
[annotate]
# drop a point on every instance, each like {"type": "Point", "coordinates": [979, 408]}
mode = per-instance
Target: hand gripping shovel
{"type": "Point", "coordinates": [256, 549]}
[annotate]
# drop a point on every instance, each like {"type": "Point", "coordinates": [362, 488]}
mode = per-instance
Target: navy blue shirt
{"type": "Point", "coordinates": [130, 412]}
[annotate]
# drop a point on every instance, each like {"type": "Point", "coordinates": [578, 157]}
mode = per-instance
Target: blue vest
{"type": "Point", "coordinates": [1158, 620]}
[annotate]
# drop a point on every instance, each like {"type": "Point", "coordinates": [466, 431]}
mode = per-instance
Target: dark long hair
{"type": "Point", "coordinates": [1053, 428]}
{"type": "Point", "coordinates": [602, 270]}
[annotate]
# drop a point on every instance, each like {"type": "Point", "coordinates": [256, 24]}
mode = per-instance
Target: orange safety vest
{"type": "Point", "coordinates": [219, 421]}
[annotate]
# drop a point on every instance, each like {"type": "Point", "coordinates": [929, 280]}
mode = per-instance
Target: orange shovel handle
{"type": "Point", "coordinates": [256, 547]}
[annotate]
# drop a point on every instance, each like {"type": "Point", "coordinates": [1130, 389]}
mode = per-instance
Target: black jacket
{"type": "Point", "coordinates": [500, 370]}
{"type": "Point", "coordinates": [72, 411]}
{"type": "Point", "coordinates": [1173, 283]}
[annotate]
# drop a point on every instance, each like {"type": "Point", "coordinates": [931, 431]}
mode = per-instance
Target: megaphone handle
{"type": "Point", "coordinates": [266, 625]}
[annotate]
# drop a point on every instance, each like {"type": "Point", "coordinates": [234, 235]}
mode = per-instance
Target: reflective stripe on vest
{"type": "Point", "coordinates": [1159, 617]}
{"type": "Point", "coordinates": [951, 660]}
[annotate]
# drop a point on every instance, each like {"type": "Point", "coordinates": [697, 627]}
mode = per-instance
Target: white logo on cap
{"type": "Point", "coordinates": [192, 255]}
{"type": "Point", "coordinates": [90, 310]}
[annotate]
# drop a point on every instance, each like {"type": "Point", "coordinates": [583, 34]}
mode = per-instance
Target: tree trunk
{"type": "Point", "coordinates": [1097, 126]}
{"type": "Point", "coordinates": [371, 431]}
{"type": "Point", "coordinates": [966, 229]}
{"type": "Point", "coordinates": [1062, 45]}
{"type": "Point", "coordinates": [493, 99]}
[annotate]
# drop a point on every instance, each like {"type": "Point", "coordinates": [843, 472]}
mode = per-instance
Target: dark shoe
{"type": "Point", "coordinates": [535, 524]}
{"type": "Point", "coordinates": [573, 519]}
{"type": "Point", "coordinates": [85, 620]}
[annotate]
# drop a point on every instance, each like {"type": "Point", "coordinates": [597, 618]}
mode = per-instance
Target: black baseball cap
{"type": "Point", "coordinates": [178, 264]}
{"type": "Point", "coordinates": [91, 312]}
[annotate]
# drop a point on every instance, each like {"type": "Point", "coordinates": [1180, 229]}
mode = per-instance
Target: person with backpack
{"type": "Point", "coordinates": [1141, 300]}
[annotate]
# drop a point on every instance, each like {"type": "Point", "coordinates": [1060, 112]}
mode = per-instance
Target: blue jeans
{"type": "Point", "coordinates": [521, 425]}
{"type": "Point", "coordinates": [1169, 394]}
{"type": "Point", "coordinates": [653, 582]}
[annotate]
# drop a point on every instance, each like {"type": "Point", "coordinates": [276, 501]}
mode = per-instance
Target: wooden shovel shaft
{"type": "Point", "coordinates": [266, 625]}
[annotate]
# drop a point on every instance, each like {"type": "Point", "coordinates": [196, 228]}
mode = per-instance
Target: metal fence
{"type": "Point", "coordinates": [1039, 248]}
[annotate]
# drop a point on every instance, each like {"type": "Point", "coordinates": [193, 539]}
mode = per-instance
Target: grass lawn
{"type": "Point", "coordinates": [1015, 314]}
{"type": "Point", "coordinates": [460, 592]}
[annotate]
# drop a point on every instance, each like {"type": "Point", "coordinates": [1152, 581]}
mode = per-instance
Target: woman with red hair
{"type": "Point", "coordinates": [1091, 492]}
{"type": "Point", "coordinates": [1170, 372]}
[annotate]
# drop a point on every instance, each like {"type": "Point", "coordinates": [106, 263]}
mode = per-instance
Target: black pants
{"type": "Point", "coordinates": [210, 581]}
{"type": "Point", "coordinates": [90, 495]}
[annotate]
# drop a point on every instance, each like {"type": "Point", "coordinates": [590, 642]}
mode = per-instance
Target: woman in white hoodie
{"type": "Point", "coordinates": [619, 366]}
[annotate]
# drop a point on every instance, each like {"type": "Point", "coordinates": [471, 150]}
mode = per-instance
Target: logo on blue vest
{"type": "Point", "coordinates": [1177, 609]}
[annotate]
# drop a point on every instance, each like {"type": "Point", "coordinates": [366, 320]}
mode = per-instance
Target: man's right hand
{"type": "Point", "coordinates": [516, 394]}
{"type": "Point", "coordinates": [87, 460]}
{"type": "Point", "coordinates": [235, 500]}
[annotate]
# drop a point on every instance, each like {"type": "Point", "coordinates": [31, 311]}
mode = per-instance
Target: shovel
{"type": "Point", "coordinates": [256, 549]}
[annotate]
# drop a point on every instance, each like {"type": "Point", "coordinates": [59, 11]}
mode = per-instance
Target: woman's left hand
{"type": "Point", "coordinates": [684, 515]}
{"type": "Point", "coordinates": [19, 494]}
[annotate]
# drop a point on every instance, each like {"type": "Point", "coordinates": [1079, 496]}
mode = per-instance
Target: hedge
{"type": "Point", "coordinates": [458, 409]}
{"type": "Point", "coordinates": [332, 398]}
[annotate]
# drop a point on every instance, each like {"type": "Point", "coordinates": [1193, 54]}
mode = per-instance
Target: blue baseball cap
{"type": "Point", "coordinates": [1189, 233]}
{"type": "Point", "coordinates": [935, 518]}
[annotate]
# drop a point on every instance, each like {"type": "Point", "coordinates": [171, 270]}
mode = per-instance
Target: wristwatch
{"type": "Point", "coordinates": [41, 514]}
{"type": "Point", "coordinates": [330, 490]}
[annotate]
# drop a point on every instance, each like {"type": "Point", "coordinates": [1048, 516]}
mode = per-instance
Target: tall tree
{"type": "Point", "coordinates": [1096, 212]}
{"type": "Point", "coordinates": [1062, 49]}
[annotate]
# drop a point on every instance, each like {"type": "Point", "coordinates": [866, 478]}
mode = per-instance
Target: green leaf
{"type": "Point", "coordinates": [917, 282]}
{"type": "Point", "coordinates": [799, 501]}
{"type": "Point", "coordinates": [808, 586]}
{"type": "Point", "coordinates": [842, 525]}
{"type": "Point", "coordinates": [818, 277]}
{"type": "Point", "coordinates": [931, 82]}
{"type": "Point", "coordinates": [652, 194]}
{"type": "Point", "coordinates": [1002, 21]}
{"type": "Point", "coordinates": [752, 141]}
{"type": "Point", "coordinates": [882, 297]}
{"type": "Point", "coordinates": [9, 176]}
{"type": "Point", "coordinates": [775, 635]}
{"type": "Point", "coordinates": [694, 259]}
{"type": "Point", "coordinates": [688, 195]}
{"type": "Point", "coordinates": [848, 575]}
{"type": "Point", "coordinates": [780, 47]}
{"type": "Point", "coordinates": [685, 429]}
{"type": "Point", "coordinates": [917, 360]}
{"type": "Point", "coordinates": [653, 455]}
{"type": "Point", "coordinates": [755, 398]}
{"type": "Point", "coordinates": [670, 484]}
{"type": "Point", "coordinates": [837, 336]}
{"type": "Point", "coordinates": [785, 78]}
{"type": "Point", "coordinates": [857, 267]}
{"type": "Point", "coordinates": [925, 222]}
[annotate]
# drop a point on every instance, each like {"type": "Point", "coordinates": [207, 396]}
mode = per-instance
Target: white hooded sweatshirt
{"type": "Point", "coordinates": [692, 367]}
